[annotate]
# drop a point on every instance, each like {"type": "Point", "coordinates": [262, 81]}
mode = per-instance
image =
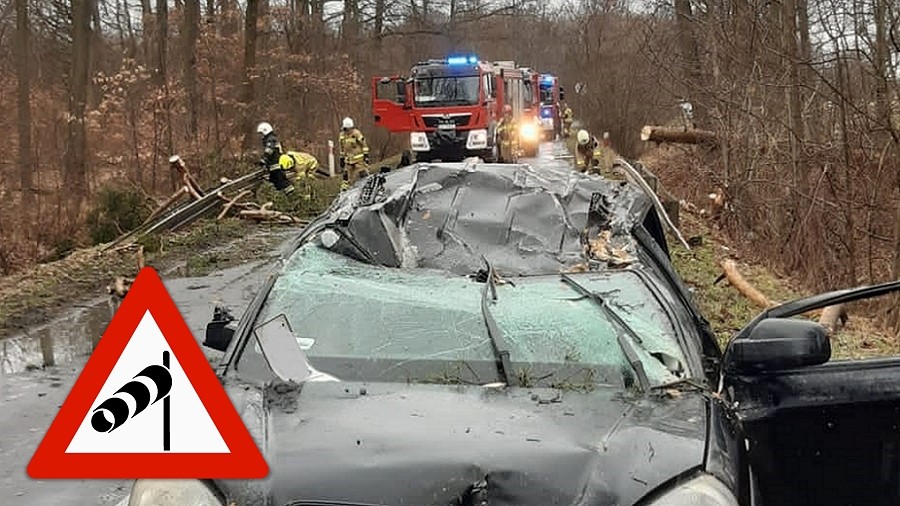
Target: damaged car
{"type": "Point", "coordinates": [462, 334]}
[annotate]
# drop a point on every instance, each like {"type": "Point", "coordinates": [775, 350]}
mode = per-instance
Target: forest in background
{"type": "Point", "coordinates": [802, 97]}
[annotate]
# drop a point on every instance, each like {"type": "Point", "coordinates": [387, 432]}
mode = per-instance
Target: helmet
{"type": "Point", "coordinates": [286, 162]}
{"type": "Point", "coordinates": [264, 129]}
{"type": "Point", "coordinates": [583, 137]}
{"type": "Point", "coordinates": [507, 109]}
{"type": "Point", "coordinates": [347, 123]}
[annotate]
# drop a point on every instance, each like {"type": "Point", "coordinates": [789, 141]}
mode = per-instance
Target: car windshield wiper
{"type": "Point", "coordinates": [625, 343]}
{"type": "Point", "coordinates": [498, 344]}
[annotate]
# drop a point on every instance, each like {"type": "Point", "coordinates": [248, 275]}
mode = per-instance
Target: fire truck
{"type": "Point", "coordinates": [530, 131]}
{"type": "Point", "coordinates": [450, 107]}
{"type": "Point", "coordinates": [551, 93]}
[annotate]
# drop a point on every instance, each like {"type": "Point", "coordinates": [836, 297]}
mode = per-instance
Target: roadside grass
{"type": "Point", "coordinates": [34, 295]}
{"type": "Point", "coordinates": [728, 311]}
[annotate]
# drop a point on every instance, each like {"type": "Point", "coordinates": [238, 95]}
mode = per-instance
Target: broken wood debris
{"type": "Point", "coordinates": [177, 212]}
{"type": "Point", "coordinates": [833, 318]}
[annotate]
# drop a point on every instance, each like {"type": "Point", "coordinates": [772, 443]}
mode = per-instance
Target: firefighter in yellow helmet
{"type": "Point", "coordinates": [567, 118]}
{"type": "Point", "coordinates": [507, 134]}
{"type": "Point", "coordinates": [306, 167]}
{"type": "Point", "coordinates": [587, 152]}
{"type": "Point", "coordinates": [353, 152]}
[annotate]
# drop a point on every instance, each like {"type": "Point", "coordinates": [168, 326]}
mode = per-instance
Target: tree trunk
{"type": "Point", "coordinates": [249, 70]}
{"type": "Point", "coordinates": [690, 58]}
{"type": "Point", "coordinates": [379, 20]}
{"type": "Point", "coordinates": [191, 33]}
{"type": "Point", "coordinates": [678, 136]}
{"type": "Point", "coordinates": [76, 142]}
{"type": "Point", "coordinates": [147, 28]}
{"type": "Point", "coordinates": [23, 69]}
{"type": "Point", "coordinates": [162, 78]}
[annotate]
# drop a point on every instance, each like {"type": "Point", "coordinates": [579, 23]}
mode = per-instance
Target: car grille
{"type": "Point", "coordinates": [459, 121]}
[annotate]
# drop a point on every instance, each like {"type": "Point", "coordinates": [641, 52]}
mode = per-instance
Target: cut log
{"type": "Point", "coordinates": [231, 203]}
{"type": "Point", "coordinates": [678, 136]}
{"type": "Point", "coordinates": [833, 318]}
{"type": "Point", "coordinates": [743, 286]}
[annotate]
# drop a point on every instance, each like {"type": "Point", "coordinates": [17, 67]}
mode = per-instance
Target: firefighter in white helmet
{"type": "Point", "coordinates": [271, 153]}
{"type": "Point", "coordinates": [354, 153]}
{"type": "Point", "coordinates": [587, 152]}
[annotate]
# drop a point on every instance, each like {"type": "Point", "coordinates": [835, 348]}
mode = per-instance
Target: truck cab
{"type": "Point", "coordinates": [449, 107]}
{"type": "Point", "coordinates": [551, 120]}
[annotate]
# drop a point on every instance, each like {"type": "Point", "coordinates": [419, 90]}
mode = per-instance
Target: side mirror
{"type": "Point", "coordinates": [219, 331]}
{"type": "Point", "coordinates": [778, 344]}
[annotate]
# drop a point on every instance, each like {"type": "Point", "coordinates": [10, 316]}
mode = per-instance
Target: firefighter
{"type": "Point", "coordinates": [567, 118]}
{"type": "Point", "coordinates": [306, 168]}
{"type": "Point", "coordinates": [507, 134]}
{"type": "Point", "coordinates": [587, 152]}
{"type": "Point", "coordinates": [354, 153]}
{"type": "Point", "coordinates": [271, 153]}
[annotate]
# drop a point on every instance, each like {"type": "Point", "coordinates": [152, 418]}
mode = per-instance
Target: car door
{"type": "Point", "coordinates": [815, 431]}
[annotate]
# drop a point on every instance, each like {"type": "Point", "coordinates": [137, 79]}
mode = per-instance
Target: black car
{"type": "Point", "coordinates": [468, 334]}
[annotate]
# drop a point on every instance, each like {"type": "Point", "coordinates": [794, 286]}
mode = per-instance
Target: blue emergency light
{"type": "Point", "coordinates": [547, 79]}
{"type": "Point", "coordinates": [546, 112]}
{"type": "Point", "coordinates": [462, 60]}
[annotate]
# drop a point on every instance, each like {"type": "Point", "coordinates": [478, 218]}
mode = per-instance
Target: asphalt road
{"type": "Point", "coordinates": [30, 395]}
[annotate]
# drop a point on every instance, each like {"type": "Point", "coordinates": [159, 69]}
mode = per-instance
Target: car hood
{"type": "Point", "coordinates": [418, 444]}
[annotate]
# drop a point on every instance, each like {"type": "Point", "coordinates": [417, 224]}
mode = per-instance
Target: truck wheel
{"type": "Point", "coordinates": [424, 157]}
{"type": "Point", "coordinates": [405, 159]}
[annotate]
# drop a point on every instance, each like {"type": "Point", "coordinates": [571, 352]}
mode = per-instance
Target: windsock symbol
{"type": "Point", "coordinates": [117, 408]}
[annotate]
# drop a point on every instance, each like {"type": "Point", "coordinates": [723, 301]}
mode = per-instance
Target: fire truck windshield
{"type": "Point", "coordinates": [447, 90]}
{"type": "Point", "coordinates": [546, 94]}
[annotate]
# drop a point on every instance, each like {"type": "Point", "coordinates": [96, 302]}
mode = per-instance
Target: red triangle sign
{"type": "Point", "coordinates": [147, 404]}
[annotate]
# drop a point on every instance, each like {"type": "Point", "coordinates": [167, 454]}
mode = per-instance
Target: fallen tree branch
{"type": "Point", "coordinates": [169, 201]}
{"type": "Point", "coordinates": [231, 203]}
{"type": "Point", "coordinates": [662, 134]}
{"type": "Point", "coordinates": [833, 318]}
{"type": "Point", "coordinates": [269, 215]}
{"type": "Point", "coordinates": [736, 280]}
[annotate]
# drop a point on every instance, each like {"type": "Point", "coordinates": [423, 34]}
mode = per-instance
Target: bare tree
{"type": "Point", "coordinates": [250, 34]}
{"type": "Point", "coordinates": [191, 33]}
{"type": "Point", "coordinates": [23, 71]}
{"type": "Point", "coordinates": [76, 144]}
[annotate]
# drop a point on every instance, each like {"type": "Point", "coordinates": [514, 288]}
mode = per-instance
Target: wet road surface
{"type": "Point", "coordinates": [38, 368]}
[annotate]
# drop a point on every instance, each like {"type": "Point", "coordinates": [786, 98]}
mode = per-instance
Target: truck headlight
{"type": "Point", "coordinates": [173, 493]}
{"type": "Point", "coordinates": [704, 490]}
{"type": "Point", "coordinates": [528, 132]}
{"type": "Point", "coordinates": [418, 141]}
{"type": "Point", "coordinates": [477, 139]}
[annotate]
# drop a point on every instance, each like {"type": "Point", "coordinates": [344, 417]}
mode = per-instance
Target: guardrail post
{"type": "Point", "coordinates": [331, 158]}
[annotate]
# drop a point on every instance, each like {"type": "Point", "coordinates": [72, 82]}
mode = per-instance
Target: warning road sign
{"type": "Point", "coordinates": [147, 404]}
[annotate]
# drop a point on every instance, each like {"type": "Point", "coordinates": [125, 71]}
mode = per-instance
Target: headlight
{"type": "Point", "coordinates": [173, 493]}
{"type": "Point", "coordinates": [418, 141]}
{"type": "Point", "coordinates": [528, 132]}
{"type": "Point", "coordinates": [477, 139]}
{"type": "Point", "coordinates": [704, 490]}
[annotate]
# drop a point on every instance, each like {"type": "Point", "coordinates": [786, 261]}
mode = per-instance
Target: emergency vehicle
{"type": "Point", "coordinates": [550, 95]}
{"type": "Point", "coordinates": [530, 123]}
{"type": "Point", "coordinates": [450, 107]}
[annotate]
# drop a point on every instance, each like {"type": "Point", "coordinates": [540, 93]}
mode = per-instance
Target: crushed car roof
{"type": "Point", "coordinates": [522, 219]}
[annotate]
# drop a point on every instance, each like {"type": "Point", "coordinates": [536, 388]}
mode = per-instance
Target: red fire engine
{"type": "Point", "coordinates": [450, 107]}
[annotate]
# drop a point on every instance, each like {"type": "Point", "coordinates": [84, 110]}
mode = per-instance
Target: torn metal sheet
{"type": "Point", "coordinates": [447, 216]}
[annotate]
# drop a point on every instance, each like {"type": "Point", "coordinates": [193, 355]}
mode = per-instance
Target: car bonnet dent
{"type": "Point", "coordinates": [448, 216]}
{"type": "Point", "coordinates": [453, 445]}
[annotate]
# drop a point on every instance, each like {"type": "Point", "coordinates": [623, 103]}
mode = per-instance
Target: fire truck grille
{"type": "Point", "coordinates": [437, 121]}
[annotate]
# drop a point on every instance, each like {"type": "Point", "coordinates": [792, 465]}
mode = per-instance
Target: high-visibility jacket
{"type": "Point", "coordinates": [567, 116]}
{"type": "Point", "coordinates": [352, 146]}
{"type": "Point", "coordinates": [506, 131]}
{"type": "Point", "coordinates": [588, 155]}
{"type": "Point", "coordinates": [304, 164]}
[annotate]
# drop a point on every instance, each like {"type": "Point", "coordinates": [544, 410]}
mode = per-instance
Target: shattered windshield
{"type": "Point", "coordinates": [360, 322]}
{"type": "Point", "coordinates": [446, 90]}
